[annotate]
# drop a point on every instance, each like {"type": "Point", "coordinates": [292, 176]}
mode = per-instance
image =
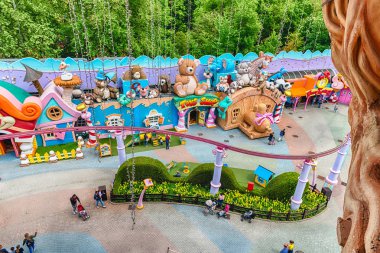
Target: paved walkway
{"type": "Point", "coordinates": [36, 198]}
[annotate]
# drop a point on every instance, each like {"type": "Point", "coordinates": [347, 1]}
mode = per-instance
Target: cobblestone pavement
{"type": "Point", "coordinates": [36, 198]}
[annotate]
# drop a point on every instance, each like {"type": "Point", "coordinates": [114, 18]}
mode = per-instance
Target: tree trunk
{"type": "Point", "coordinates": [355, 44]}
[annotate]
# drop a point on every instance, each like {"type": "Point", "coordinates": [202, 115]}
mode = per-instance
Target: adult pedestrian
{"type": "Point", "coordinates": [320, 101]}
{"type": "Point", "coordinates": [282, 134]}
{"type": "Point", "coordinates": [30, 242]}
{"type": "Point", "coordinates": [291, 246]}
{"type": "Point", "coordinates": [271, 139]}
{"type": "Point", "coordinates": [98, 199]}
{"type": "Point", "coordinates": [285, 248]}
{"type": "Point", "coordinates": [3, 250]}
{"type": "Point", "coordinates": [74, 200]}
{"type": "Point", "coordinates": [19, 249]}
{"type": "Point", "coordinates": [167, 141]}
{"type": "Point", "coordinates": [146, 139]}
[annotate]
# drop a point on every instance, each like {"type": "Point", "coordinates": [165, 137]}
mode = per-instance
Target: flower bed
{"type": "Point", "coordinates": [311, 201]}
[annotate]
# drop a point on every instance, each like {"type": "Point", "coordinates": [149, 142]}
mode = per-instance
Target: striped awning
{"type": "Point", "coordinates": [302, 73]}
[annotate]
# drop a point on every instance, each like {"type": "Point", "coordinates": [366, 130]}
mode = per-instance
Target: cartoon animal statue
{"type": "Point", "coordinates": [77, 92]}
{"type": "Point", "coordinates": [65, 76]}
{"type": "Point", "coordinates": [323, 79]}
{"type": "Point", "coordinates": [223, 86]}
{"type": "Point", "coordinates": [233, 88]}
{"type": "Point", "coordinates": [270, 85]}
{"type": "Point", "coordinates": [135, 73]}
{"type": "Point", "coordinates": [154, 93]}
{"type": "Point", "coordinates": [223, 106]}
{"type": "Point", "coordinates": [261, 83]}
{"type": "Point", "coordinates": [259, 64]}
{"type": "Point", "coordinates": [277, 75]}
{"type": "Point", "coordinates": [256, 123]}
{"type": "Point", "coordinates": [143, 92]}
{"type": "Point", "coordinates": [186, 83]}
{"type": "Point", "coordinates": [164, 83]}
{"type": "Point", "coordinates": [221, 67]}
{"type": "Point", "coordinates": [88, 98]}
{"type": "Point", "coordinates": [243, 76]}
{"type": "Point", "coordinates": [338, 82]}
{"type": "Point", "coordinates": [102, 90]}
{"type": "Point", "coordinates": [208, 75]}
{"type": "Point", "coordinates": [282, 88]}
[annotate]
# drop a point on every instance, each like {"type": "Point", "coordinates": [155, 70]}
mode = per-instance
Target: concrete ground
{"type": "Point", "coordinates": [37, 198]}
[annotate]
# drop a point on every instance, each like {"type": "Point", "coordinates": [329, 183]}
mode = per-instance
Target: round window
{"type": "Point", "coordinates": [54, 113]}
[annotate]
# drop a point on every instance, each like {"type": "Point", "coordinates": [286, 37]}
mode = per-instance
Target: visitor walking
{"type": "Point", "coordinates": [74, 200]}
{"type": "Point", "coordinates": [167, 141]}
{"type": "Point", "coordinates": [285, 248]}
{"type": "Point", "coordinates": [313, 100]}
{"type": "Point", "coordinates": [30, 242]}
{"type": "Point", "coordinates": [146, 139]}
{"type": "Point", "coordinates": [336, 107]}
{"type": "Point", "coordinates": [19, 249]}
{"type": "Point", "coordinates": [3, 250]}
{"type": "Point", "coordinates": [291, 246]}
{"type": "Point", "coordinates": [98, 199]}
{"type": "Point", "coordinates": [320, 101]}
{"type": "Point", "coordinates": [271, 139]}
{"type": "Point", "coordinates": [282, 134]}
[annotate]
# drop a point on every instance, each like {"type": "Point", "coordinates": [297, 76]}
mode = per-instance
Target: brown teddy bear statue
{"type": "Point", "coordinates": [135, 73]}
{"type": "Point", "coordinates": [186, 83]}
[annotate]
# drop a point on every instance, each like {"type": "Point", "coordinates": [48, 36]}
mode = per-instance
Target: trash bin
{"type": "Point", "coordinates": [250, 186]}
{"type": "Point", "coordinates": [104, 192]}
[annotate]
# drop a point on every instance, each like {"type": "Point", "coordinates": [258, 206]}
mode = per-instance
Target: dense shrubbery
{"type": "Point", "coordinates": [275, 196]}
{"type": "Point", "coordinates": [282, 187]}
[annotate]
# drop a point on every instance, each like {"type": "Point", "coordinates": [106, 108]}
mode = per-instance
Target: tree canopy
{"type": "Point", "coordinates": [98, 28]}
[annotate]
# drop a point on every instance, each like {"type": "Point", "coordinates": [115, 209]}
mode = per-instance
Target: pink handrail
{"type": "Point", "coordinates": [188, 136]}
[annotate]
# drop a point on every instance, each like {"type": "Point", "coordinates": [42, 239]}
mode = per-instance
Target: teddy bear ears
{"type": "Point", "coordinates": [181, 61]}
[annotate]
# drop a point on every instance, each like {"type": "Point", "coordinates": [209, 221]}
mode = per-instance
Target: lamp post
{"type": "Point", "coordinates": [148, 182]}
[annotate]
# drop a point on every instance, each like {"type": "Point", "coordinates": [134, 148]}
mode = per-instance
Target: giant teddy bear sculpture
{"type": "Point", "coordinates": [186, 83]}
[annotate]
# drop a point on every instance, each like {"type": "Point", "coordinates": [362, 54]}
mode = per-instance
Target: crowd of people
{"type": "Point", "coordinates": [28, 241]}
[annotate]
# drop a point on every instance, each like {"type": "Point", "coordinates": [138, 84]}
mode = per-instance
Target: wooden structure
{"type": "Point", "coordinates": [244, 101]}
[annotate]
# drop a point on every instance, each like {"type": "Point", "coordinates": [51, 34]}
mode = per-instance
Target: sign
{"type": "Point", "coordinates": [195, 101]}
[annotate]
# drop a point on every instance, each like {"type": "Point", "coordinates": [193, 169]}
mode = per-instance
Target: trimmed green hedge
{"type": "Point", "coordinates": [282, 187]}
{"type": "Point", "coordinates": [203, 174]}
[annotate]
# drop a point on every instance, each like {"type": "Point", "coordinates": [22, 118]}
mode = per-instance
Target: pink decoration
{"type": "Point", "coordinates": [60, 136]}
{"type": "Point", "coordinates": [277, 113]}
{"type": "Point", "coordinates": [261, 117]}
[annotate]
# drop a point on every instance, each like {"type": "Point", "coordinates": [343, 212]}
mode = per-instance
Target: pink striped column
{"type": "Point", "coordinates": [181, 121]}
{"type": "Point", "coordinates": [279, 108]}
{"type": "Point", "coordinates": [210, 123]}
{"type": "Point", "coordinates": [120, 147]}
{"type": "Point", "coordinates": [92, 134]}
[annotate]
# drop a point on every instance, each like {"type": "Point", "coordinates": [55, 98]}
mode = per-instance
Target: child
{"type": "Point", "coordinates": [83, 212]}
{"type": "Point", "coordinates": [285, 249]}
{"type": "Point", "coordinates": [271, 139]}
{"type": "Point", "coordinates": [291, 246]}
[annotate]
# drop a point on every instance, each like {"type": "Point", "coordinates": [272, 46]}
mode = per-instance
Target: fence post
{"type": "Point", "coordinates": [288, 216]}
{"type": "Point", "coordinates": [317, 207]}
{"type": "Point", "coordinates": [196, 200]}
{"type": "Point", "coordinates": [126, 197]}
{"type": "Point", "coordinates": [304, 214]}
{"type": "Point", "coordinates": [231, 207]}
{"type": "Point", "coordinates": [179, 198]}
{"type": "Point", "coordinates": [162, 196]}
{"type": "Point", "coordinates": [269, 215]}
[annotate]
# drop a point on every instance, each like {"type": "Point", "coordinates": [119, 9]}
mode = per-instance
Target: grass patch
{"type": "Point", "coordinates": [179, 167]}
{"type": "Point", "coordinates": [67, 146]}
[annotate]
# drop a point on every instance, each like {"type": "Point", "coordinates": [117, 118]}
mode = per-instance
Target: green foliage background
{"type": "Point", "coordinates": [97, 28]}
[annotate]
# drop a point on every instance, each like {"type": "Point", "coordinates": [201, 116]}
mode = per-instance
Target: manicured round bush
{"type": "Point", "coordinates": [145, 167]}
{"type": "Point", "coordinates": [282, 187]}
{"type": "Point", "coordinates": [203, 175]}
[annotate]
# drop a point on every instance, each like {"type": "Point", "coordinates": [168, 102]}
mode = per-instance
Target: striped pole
{"type": "Point", "coordinates": [181, 121]}
{"type": "Point", "coordinates": [210, 123]}
{"type": "Point", "coordinates": [278, 113]}
{"type": "Point", "coordinates": [92, 134]}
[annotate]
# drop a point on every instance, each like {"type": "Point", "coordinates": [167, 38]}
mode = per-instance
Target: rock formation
{"type": "Point", "coordinates": [355, 43]}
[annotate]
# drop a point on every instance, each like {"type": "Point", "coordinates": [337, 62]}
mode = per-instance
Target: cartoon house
{"type": "Point", "coordinates": [263, 175]}
{"type": "Point", "coordinates": [56, 113]}
{"type": "Point", "coordinates": [18, 113]}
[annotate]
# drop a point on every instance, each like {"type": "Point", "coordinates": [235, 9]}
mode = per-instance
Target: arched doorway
{"type": "Point", "coordinates": [193, 116]}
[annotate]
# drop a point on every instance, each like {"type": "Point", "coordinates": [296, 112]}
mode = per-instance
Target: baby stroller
{"type": "Point", "coordinates": [248, 216]}
{"type": "Point", "coordinates": [210, 207]}
{"type": "Point", "coordinates": [82, 212]}
{"type": "Point", "coordinates": [224, 213]}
